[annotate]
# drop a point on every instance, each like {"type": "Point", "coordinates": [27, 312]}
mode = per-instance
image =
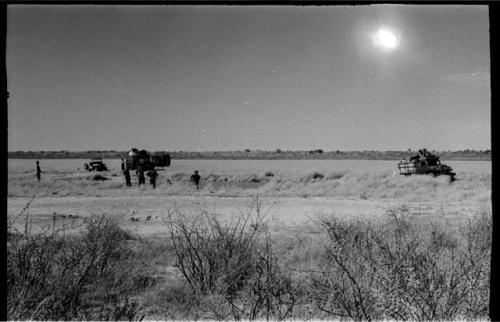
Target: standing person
{"type": "Point", "coordinates": [126, 173]}
{"type": "Point", "coordinates": [38, 171]}
{"type": "Point", "coordinates": [123, 165]}
{"type": "Point", "coordinates": [195, 178]}
{"type": "Point", "coordinates": [152, 174]}
{"type": "Point", "coordinates": [140, 175]}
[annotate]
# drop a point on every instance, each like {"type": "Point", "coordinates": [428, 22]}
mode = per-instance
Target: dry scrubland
{"type": "Point", "coordinates": [344, 184]}
{"type": "Point", "coordinates": [398, 266]}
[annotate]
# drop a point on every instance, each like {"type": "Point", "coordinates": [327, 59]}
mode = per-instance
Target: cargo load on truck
{"type": "Point", "coordinates": [160, 159]}
{"type": "Point", "coordinates": [147, 160]}
{"type": "Point", "coordinates": [425, 163]}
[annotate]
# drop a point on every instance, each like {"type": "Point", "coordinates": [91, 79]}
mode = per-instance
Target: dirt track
{"type": "Point", "coordinates": [284, 214]}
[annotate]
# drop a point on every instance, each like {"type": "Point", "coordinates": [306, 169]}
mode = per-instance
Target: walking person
{"type": "Point", "coordinates": [126, 173]}
{"type": "Point", "coordinates": [38, 171]}
{"type": "Point", "coordinates": [123, 165]}
{"type": "Point", "coordinates": [152, 174]}
{"type": "Point", "coordinates": [195, 178]}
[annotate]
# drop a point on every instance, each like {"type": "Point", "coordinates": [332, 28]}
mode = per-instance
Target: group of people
{"type": "Point", "coordinates": [152, 174]}
{"type": "Point", "coordinates": [422, 154]}
{"type": "Point", "coordinates": [424, 158]}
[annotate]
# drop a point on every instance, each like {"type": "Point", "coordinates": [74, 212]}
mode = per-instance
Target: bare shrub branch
{"type": "Point", "coordinates": [52, 276]}
{"type": "Point", "coordinates": [231, 264]}
{"type": "Point", "coordinates": [396, 271]}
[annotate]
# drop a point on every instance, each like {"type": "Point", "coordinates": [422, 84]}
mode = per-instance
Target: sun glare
{"type": "Point", "coordinates": [385, 39]}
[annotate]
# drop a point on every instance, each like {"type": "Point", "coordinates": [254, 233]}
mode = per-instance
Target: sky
{"type": "Point", "coordinates": [212, 78]}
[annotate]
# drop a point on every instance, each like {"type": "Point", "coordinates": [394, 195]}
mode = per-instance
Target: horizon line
{"type": "Point", "coordinates": [278, 150]}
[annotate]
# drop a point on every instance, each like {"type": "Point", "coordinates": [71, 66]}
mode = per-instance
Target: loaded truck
{"type": "Point", "coordinates": [425, 163]}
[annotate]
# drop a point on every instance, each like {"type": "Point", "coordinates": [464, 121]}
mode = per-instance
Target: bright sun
{"type": "Point", "coordinates": [385, 39]}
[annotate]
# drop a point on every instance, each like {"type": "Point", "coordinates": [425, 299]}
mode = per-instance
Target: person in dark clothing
{"type": "Point", "coordinates": [38, 171]}
{"type": "Point", "coordinates": [126, 173]}
{"type": "Point", "coordinates": [195, 178]}
{"type": "Point", "coordinates": [152, 174]}
{"type": "Point", "coordinates": [142, 178]}
{"type": "Point", "coordinates": [123, 165]}
{"type": "Point", "coordinates": [140, 175]}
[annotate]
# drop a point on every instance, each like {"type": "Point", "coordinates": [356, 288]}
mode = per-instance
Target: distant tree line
{"type": "Point", "coordinates": [257, 154]}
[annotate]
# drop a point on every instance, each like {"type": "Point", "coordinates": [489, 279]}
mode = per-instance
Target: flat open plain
{"type": "Point", "coordinates": [292, 192]}
{"type": "Point", "coordinates": [292, 196]}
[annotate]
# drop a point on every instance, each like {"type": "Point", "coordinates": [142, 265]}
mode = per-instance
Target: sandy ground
{"type": "Point", "coordinates": [145, 215]}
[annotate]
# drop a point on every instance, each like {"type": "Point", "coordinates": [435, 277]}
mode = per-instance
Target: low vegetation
{"type": "Point", "coordinates": [396, 268]}
{"type": "Point", "coordinates": [90, 276]}
{"type": "Point", "coordinates": [399, 268]}
{"type": "Point", "coordinates": [347, 184]}
{"type": "Point", "coordinates": [67, 178]}
{"type": "Point", "coordinates": [398, 272]}
{"type": "Point", "coordinates": [231, 267]}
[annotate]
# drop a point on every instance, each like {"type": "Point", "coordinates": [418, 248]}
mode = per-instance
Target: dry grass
{"type": "Point", "coordinates": [362, 185]}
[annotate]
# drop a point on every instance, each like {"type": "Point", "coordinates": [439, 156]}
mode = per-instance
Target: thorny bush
{"type": "Point", "coordinates": [394, 272]}
{"type": "Point", "coordinates": [56, 276]}
{"type": "Point", "coordinates": [231, 265]}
